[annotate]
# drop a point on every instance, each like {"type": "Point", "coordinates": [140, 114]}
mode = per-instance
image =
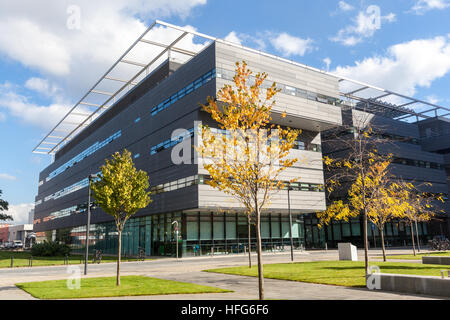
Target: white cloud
{"type": "Point", "coordinates": [432, 99]}
{"type": "Point", "coordinates": [364, 26]}
{"type": "Point", "coordinates": [391, 17]}
{"type": "Point", "coordinates": [289, 45]}
{"type": "Point", "coordinates": [327, 62]}
{"type": "Point", "coordinates": [233, 37]}
{"type": "Point", "coordinates": [43, 86]}
{"type": "Point", "coordinates": [19, 106]}
{"type": "Point", "coordinates": [19, 212]}
{"type": "Point", "coordinates": [6, 176]}
{"type": "Point", "coordinates": [405, 66]}
{"type": "Point", "coordinates": [344, 6]}
{"type": "Point", "coordinates": [422, 6]}
{"type": "Point", "coordinates": [73, 59]}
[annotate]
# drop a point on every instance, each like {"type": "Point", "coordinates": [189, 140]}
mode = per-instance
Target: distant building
{"type": "Point", "coordinates": [4, 233]}
{"type": "Point", "coordinates": [31, 216]}
{"type": "Point", "coordinates": [19, 232]}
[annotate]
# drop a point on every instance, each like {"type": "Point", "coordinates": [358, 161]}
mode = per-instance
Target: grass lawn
{"type": "Point", "coordinates": [418, 256]}
{"type": "Point", "coordinates": [21, 259]}
{"type": "Point", "coordinates": [341, 273]}
{"type": "Point", "coordinates": [106, 287]}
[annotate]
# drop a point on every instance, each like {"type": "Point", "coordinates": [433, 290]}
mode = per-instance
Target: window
{"type": "Point", "coordinates": [87, 152]}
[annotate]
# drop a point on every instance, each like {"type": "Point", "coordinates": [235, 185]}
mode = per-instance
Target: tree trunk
{"type": "Point", "coordinates": [119, 252]}
{"type": "Point", "coordinates": [366, 247]}
{"type": "Point", "coordinates": [249, 242]}
{"type": "Point", "coordinates": [412, 238]}
{"type": "Point", "coordinates": [382, 244]}
{"type": "Point", "coordinates": [259, 251]}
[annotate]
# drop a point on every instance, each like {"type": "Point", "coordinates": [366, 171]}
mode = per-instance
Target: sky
{"type": "Point", "coordinates": [52, 52]}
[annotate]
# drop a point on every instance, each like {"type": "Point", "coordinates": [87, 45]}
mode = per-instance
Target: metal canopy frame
{"type": "Point", "coordinates": [389, 103]}
{"type": "Point", "coordinates": [360, 93]}
{"type": "Point", "coordinates": [97, 100]}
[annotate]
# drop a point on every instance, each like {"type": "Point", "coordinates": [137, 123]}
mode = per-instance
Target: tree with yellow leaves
{"type": "Point", "coordinates": [417, 205]}
{"type": "Point", "coordinates": [384, 206]}
{"type": "Point", "coordinates": [247, 154]}
{"type": "Point", "coordinates": [121, 191]}
{"type": "Point", "coordinates": [371, 195]}
{"type": "Point", "coordinates": [349, 167]}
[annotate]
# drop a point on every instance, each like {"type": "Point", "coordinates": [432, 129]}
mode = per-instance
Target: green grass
{"type": "Point", "coordinates": [106, 287]}
{"type": "Point", "coordinates": [341, 273]}
{"type": "Point", "coordinates": [418, 256]}
{"type": "Point", "coordinates": [21, 259]}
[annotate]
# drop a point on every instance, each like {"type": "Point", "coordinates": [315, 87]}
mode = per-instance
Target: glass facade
{"type": "Point", "coordinates": [396, 233]}
{"type": "Point", "coordinates": [199, 233]}
{"type": "Point", "coordinates": [207, 233]}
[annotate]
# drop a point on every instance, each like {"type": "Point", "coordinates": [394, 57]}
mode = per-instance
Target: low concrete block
{"type": "Point", "coordinates": [427, 285]}
{"type": "Point", "coordinates": [436, 260]}
{"type": "Point", "coordinates": [347, 251]}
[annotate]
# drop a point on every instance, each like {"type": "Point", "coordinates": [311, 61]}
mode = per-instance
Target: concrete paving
{"type": "Point", "coordinates": [190, 270]}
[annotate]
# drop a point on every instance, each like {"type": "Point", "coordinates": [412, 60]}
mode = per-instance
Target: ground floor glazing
{"type": "Point", "coordinates": [206, 233]}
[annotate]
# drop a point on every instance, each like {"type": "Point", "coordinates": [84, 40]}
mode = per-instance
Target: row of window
{"type": "Point", "coordinates": [65, 191]}
{"type": "Point", "coordinates": [380, 135]}
{"type": "Point", "coordinates": [300, 145]}
{"type": "Point", "coordinates": [418, 163]}
{"type": "Point", "coordinates": [96, 146]}
{"type": "Point", "coordinates": [202, 179]}
{"type": "Point", "coordinates": [166, 144]}
{"type": "Point", "coordinates": [293, 91]}
{"type": "Point", "coordinates": [185, 91]}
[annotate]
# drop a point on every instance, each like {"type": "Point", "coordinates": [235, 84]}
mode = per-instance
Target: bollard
{"type": "Point", "coordinates": [30, 261]}
{"type": "Point", "coordinates": [212, 252]}
{"type": "Point", "coordinates": [12, 261]}
{"type": "Point", "coordinates": [326, 246]}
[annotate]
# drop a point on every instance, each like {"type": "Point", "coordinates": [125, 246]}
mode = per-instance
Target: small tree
{"type": "Point", "coordinates": [242, 159]}
{"type": "Point", "coordinates": [4, 207]}
{"type": "Point", "coordinates": [417, 205]}
{"type": "Point", "coordinates": [121, 191]}
{"type": "Point", "coordinates": [384, 206]}
{"type": "Point", "coordinates": [353, 150]}
{"type": "Point", "coordinates": [370, 194]}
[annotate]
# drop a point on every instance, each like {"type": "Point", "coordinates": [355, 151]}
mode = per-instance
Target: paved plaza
{"type": "Point", "coordinates": [190, 270]}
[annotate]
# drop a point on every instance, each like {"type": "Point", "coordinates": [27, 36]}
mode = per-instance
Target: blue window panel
{"type": "Point", "coordinates": [136, 155]}
{"type": "Point", "coordinates": [96, 146]}
{"type": "Point", "coordinates": [198, 83]}
{"type": "Point", "coordinates": [190, 88]}
{"type": "Point", "coordinates": [137, 120]}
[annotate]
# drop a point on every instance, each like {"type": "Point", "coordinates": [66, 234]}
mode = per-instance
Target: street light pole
{"type": "Point", "coordinates": [290, 224]}
{"type": "Point", "coordinates": [176, 235]}
{"type": "Point", "coordinates": [88, 225]}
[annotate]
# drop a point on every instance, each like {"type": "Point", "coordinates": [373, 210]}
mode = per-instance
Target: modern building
{"type": "Point", "coordinates": [142, 112]}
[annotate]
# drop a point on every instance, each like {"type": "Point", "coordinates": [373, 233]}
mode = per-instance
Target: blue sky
{"type": "Point", "coordinates": [45, 67]}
